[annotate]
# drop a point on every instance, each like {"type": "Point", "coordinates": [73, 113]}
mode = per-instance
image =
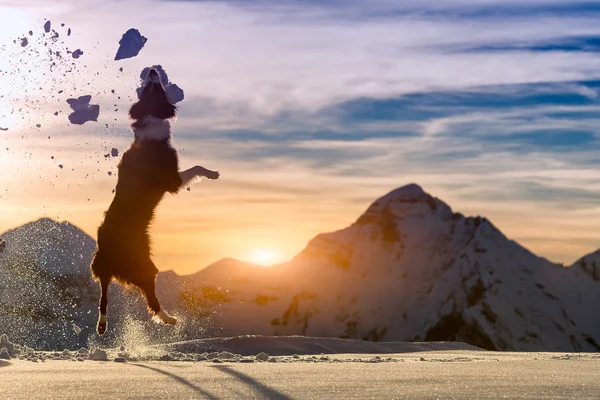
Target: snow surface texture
{"type": "Point", "coordinates": [416, 373]}
{"type": "Point", "coordinates": [83, 111]}
{"type": "Point", "coordinates": [130, 44]}
{"type": "Point", "coordinates": [409, 269]}
{"type": "Point", "coordinates": [236, 349]}
{"type": "Point", "coordinates": [174, 92]}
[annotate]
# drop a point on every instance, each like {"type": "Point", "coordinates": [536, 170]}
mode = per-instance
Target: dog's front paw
{"type": "Point", "coordinates": [163, 317]}
{"type": "Point", "coordinates": [212, 174]}
{"type": "Point", "coordinates": [207, 173]}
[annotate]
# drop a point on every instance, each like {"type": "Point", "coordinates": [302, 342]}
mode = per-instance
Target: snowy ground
{"type": "Point", "coordinates": [414, 371]}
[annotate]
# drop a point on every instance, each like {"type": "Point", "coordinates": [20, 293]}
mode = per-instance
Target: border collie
{"type": "Point", "coordinates": [148, 170]}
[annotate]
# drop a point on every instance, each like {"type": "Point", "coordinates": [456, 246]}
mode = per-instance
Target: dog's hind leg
{"type": "Point", "coordinates": [102, 322]}
{"type": "Point", "coordinates": [149, 289]}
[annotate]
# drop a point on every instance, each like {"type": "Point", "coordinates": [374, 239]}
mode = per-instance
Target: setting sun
{"type": "Point", "coordinates": [264, 257]}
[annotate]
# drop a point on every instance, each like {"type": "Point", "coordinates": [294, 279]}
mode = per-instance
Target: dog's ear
{"type": "Point", "coordinates": [137, 111]}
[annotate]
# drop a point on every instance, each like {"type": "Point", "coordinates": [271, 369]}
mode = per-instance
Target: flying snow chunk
{"type": "Point", "coordinates": [77, 53]}
{"type": "Point", "coordinates": [98, 355]}
{"type": "Point", "coordinates": [6, 344]}
{"type": "Point", "coordinates": [114, 152]}
{"type": "Point", "coordinates": [262, 357]}
{"type": "Point", "coordinates": [24, 42]}
{"type": "Point", "coordinates": [47, 26]}
{"type": "Point", "coordinates": [76, 329]}
{"type": "Point", "coordinates": [130, 44]}
{"type": "Point", "coordinates": [83, 111]}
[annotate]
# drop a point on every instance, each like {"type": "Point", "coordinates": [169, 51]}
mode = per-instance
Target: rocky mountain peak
{"type": "Point", "coordinates": [590, 264]}
{"type": "Point", "coordinates": [404, 202]}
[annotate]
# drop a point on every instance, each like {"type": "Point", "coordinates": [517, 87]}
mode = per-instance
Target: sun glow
{"type": "Point", "coordinates": [264, 257]}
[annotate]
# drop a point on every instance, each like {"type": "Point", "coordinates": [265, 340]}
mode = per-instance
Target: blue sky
{"type": "Point", "coordinates": [311, 110]}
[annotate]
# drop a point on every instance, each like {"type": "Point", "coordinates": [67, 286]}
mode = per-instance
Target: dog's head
{"type": "Point", "coordinates": [153, 100]}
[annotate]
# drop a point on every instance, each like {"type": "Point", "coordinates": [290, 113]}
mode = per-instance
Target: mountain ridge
{"type": "Point", "coordinates": [408, 269]}
{"type": "Point", "coordinates": [361, 219]}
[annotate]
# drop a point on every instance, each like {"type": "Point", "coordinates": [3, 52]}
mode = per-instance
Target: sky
{"type": "Point", "coordinates": [311, 110]}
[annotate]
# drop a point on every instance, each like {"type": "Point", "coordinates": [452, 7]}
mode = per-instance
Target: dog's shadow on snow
{"type": "Point", "coordinates": [258, 387]}
{"type": "Point", "coordinates": [4, 363]}
{"type": "Point", "coordinates": [179, 379]}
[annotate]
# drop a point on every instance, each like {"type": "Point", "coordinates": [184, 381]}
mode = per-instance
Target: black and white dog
{"type": "Point", "coordinates": [148, 170]}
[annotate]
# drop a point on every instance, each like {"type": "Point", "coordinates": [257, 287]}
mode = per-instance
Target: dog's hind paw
{"type": "Point", "coordinates": [102, 325]}
{"type": "Point", "coordinates": [163, 317]}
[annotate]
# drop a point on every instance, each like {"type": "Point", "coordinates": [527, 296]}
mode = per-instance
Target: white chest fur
{"type": "Point", "coordinates": [153, 129]}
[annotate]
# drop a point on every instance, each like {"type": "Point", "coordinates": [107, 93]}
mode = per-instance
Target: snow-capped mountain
{"type": "Point", "coordinates": [59, 248]}
{"type": "Point", "coordinates": [411, 269]}
{"type": "Point", "coordinates": [408, 269]}
{"type": "Point", "coordinates": [45, 284]}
